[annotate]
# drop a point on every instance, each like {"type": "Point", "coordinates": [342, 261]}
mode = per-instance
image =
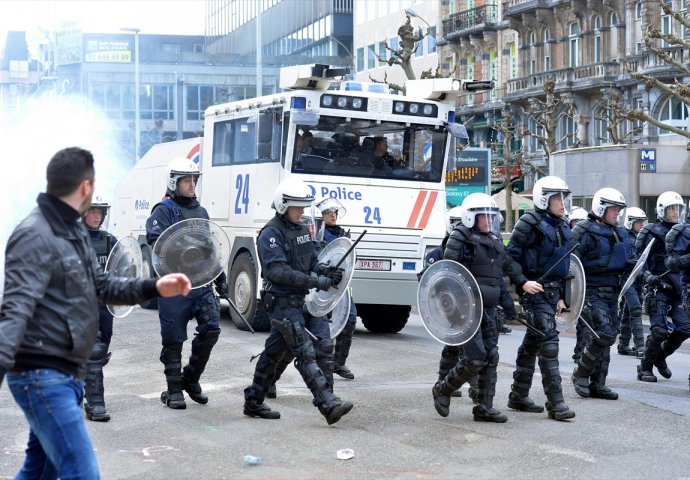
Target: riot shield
{"type": "Point", "coordinates": [337, 318]}
{"type": "Point", "coordinates": [449, 302]}
{"type": "Point", "coordinates": [125, 260]}
{"type": "Point", "coordinates": [637, 269]}
{"type": "Point", "coordinates": [320, 302]}
{"type": "Point", "coordinates": [576, 283]}
{"type": "Point", "coordinates": [197, 247]}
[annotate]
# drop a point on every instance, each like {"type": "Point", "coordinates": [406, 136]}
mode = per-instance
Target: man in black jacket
{"type": "Point", "coordinates": [49, 317]}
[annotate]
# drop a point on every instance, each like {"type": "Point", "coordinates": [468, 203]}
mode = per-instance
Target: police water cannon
{"type": "Point", "coordinates": [444, 88]}
{"type": "Point", "coordinates": [312, 77]}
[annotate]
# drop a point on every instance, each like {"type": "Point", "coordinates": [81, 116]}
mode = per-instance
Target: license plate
{"type": "Point", "coordinates": [369, 264]}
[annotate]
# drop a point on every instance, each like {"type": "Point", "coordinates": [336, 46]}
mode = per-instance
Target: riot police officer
{"type": "Point", "coordinates": [664, 291]}
{"type": "Point", "coordinates": [477, 245]}
{"type": "Point", "coordinates": [577, 214]}
{"type": "Point", "coordinates": [678, 259]}
{"type": "Point", "coordinates": [581, 332]}
{"type": "Point", "coordinates": [605, 255]}
{"type": "Point", "coordinates": [102, 243]}
{"type": "Point", "coordinates": [540, 239]}
{"type": "Point", "coordinates": [201, 303]}
{"type": "Point", "coordinates": [288, 258]}
{"type": "Point", "coordinates": [631, 307]}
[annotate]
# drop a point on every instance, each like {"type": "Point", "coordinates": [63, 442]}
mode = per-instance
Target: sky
{"type": "Point", "coordinates": [184, 17]}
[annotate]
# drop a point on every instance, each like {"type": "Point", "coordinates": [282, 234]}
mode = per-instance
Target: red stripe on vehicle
{"type": "Point", "coordinates": [428, 209]}
{"type": "Point", "coordinates": [421, 196]}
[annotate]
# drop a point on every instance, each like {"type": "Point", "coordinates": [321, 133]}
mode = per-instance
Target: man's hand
{"type": "Point", "coordinates": [335, 274]}
{"type": "Point", "coordinates": [322, 282]}
{"type": "Point", "coordinates": [222, 287]}
{"type": "Point", "coordinates": [560, 308]}
{"type": "Point", "coordinates": [173, 284]}
{"type": "Point", "coordinates": [531, 287]}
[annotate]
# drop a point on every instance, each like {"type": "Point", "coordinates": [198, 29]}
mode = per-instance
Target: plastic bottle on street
{"type": "Point", "coordinates": [252, 460]}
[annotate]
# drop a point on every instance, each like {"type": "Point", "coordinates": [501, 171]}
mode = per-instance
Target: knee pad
{"type": "Point", "coordinates": [636, 312]}
{"type": "Point", "coordinates": [492, 357]}
{"type": "Point", "coordinates": [549, 350]}
{"type": "Point", "coordinates": [475, 366]}
{"type": "Point", "coordinates": [659, 334]}
{"type": "Point", "coordinates": [207, 309]}
{"type": "Point", "coordinates": [209, 337]}
{"type": "Point", "coordinates": [304, 351]}
{"type": "Point", "coordinates": [604, 339]}
{"type": "Point", "coordinates": [324, 348]}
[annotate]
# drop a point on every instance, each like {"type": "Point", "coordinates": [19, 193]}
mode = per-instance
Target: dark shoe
{"type": "Point", "coordinates": [473, 394]}
{"type": "Point", "coordinates": [456, 394]}
{"type": "Point", "coordinates": [505, 329]}
{"type": "Point", "coordinates": [344, 372]}
{"type": "Point", "coordinates": [645, 375]}
{"type": "Point", "coordinates": [523, 404]}
{"type": "Point", "coordinates": [335, 412]}
{"type": "Point", "coordinates": [272, 391]}
{"type": "Point", "coordinates": [174, 400]}
{"type": "Point", "coordinates": [626, 351]}
{"type": "Point", "coordinates": [260, 410]}
{"type": "Point", "coordinates": [663, 369]}
{"type": "Point", "coordinates": [559, 411]}
{"type": "Point", "coordinates": [602, 392]}
{"type": "Point", "coordinates": [483, 414]}
{"type": "Point", "coordinates": [194, 391]}
{"type": "Point", "coordinates": [96, 413]}
{"type": "Point", "coordinates": [639, 352]}
{"type": "Point", "coordinates": [581, 385]}
{"type": "Point", "coordinates": [441, 401]}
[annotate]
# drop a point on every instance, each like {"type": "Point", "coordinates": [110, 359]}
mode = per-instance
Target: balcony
{"type": "Point", "coordinates": [567, 79]}
{"type": "Point", "coordinates": [481, 102]}
{"type": "Point", "coordinates": [513, 8]}
{"type": "Point", "coordinates": [470, 21]}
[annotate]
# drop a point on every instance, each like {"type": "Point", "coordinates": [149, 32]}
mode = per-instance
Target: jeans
{"type": "Point", "coordinates": [59, 444]}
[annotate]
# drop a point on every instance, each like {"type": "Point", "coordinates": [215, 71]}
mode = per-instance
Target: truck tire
{"type": "Point", "coordinates": [383, 318]}
{"type": "Point", "coordinates": [149, 272]}
{"type": "Point", "coordinates": [242, 281]}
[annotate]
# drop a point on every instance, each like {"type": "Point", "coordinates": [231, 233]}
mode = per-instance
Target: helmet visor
{"type": "Point", "coordinates": [675, 213]}
{"type": "Point", "coordinates": [560, 203]}
{"type": "Point", "coordinates": [308, 219]}
{"type": "Point", "coordinates": [487, 220]}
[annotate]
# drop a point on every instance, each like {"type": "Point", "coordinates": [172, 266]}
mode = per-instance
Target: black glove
{"type": "Point", "coordinates": [652, 280]}
{"type": "Point", "coordinates": [222, 287]}
{"type": "Point", "coordinates": [335, 274]}
{"type": "Point", "coordinates": [322, 282]}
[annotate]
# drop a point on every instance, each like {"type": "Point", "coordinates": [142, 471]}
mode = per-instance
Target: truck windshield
{"type": "Point", "coordinates": [369, 148]}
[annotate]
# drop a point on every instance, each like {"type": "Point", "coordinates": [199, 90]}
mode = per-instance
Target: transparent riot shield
{"type": "Point", "coordinates": [320, 302]}
{"type": "Point", "coordinates": [577, 285]}
{"type": "Point", "coordinates": [125, 260]}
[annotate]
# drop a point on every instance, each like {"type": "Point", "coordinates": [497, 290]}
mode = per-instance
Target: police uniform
{"type": "Point", "coordinates": [605, 255]}
{"type": "Point", "coordinates": [176, 312]}
{"type": "Point", "coordinates": [669, 325]}
{"type": "Point", "coordinates": [485, 257]}
{"type": "Point", "coordinates": [538, 242]}
{"type": "Point", "coordinates": [631, 311]}
{"type": "Point", "coordinates": [288, 257]}
{"type": "Point", "coordinates": [102, 243]}
{"type": "Point", "coordinates": [678, 259]}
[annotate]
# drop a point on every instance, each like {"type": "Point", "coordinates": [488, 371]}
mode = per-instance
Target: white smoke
{"type": "Point", "coordinates": [40, 126]}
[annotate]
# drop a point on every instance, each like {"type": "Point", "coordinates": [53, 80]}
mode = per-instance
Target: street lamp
{"type": "Point", "coordinates": [411, 13]}
{"type": "Point", "coordinates": [137, 119]}
{"type": "Point", "coordinates": [352, 58]}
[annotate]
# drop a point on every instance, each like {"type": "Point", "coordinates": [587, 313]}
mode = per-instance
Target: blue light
{"type": "Point", "coordinates": [451, 117]}
{"type": "Point", "coordinates": [377, 88]}
{"type": "Point", "coordinates": [351, 86]}
{"type": "Point", "coordinates": [408, 265]}
{"type": "Point", "coordinates": [298, 103]}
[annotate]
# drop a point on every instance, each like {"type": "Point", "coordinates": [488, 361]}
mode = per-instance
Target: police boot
{"type": "Point", "coordinates": [94, 406]}
{"type": "Point", "coordinates": [644, 372]}
{"type": "Point", "coordinates": [172, 360]}
{"type": "Point", "coordinates": [590, 356]}
{"type": "Point", "coordinates": [342, 351]}
{"type": "Point", "coordinates": [449, 357]}
{"type": "Point", "coordinates": [344, 372]}
{"type": "Point", "coordinates": [473, 390]}
{"type": "Point", "coordinates": [518, 398]}
{"type": "Point", "coordinates": [330, 406]}
{"type": "Point", "coordinates": [484, 411]}
{"type": "Point", "coordinates": [558, 410]}
{"type": "Point", "coordinates": [201, 352]}
{"type": "Point", "coordinates": [272, 391]}
{"type": "Point", "coordinates": [335, 410]}
{"type": "Point", "coordinates": [625, 350]}
{"type": "Point", "coordinates": [660, 362]}
{"type": "Point", "coordinates": [443, 389]}
{"type": "Point", "coordinates": [602, 391]}
{"type": "Point", "coordinates": [259, 410]}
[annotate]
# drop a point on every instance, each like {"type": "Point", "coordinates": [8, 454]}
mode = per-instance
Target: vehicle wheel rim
{"type": "Point", "coordinates": [243, 291]}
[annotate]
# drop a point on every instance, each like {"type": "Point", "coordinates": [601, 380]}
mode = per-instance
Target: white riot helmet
{"type": "Point", "coordinates": [181, 167]}
{"type": "Point", "coordinates": [99, 202]}
{"type": "Point", "coordinates": [453, 217]}
{"type": "Point", "coordinates": [330, 204]}
{"type": "Point", "coordinates": [478, 204]}
{"type": "Point", "coordinates": [632, 215]}
{"type": "Point", "coordinates": [547, 187]}
{"type": "Point", "coordinates": [605, 198]}
{"type": "Point", "coordinates": [670, 208]}
{"type": "Point", "coordinates": [577, 214]}
{"type": "Point", "coordinates": [292, 192]}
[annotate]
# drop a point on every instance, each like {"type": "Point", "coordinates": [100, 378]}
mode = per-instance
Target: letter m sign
{"type": "Point", "coordinates": [648, 160]}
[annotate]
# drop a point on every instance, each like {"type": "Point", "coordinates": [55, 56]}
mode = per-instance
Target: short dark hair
{"type": "Point", "coordinates": [67, 169]}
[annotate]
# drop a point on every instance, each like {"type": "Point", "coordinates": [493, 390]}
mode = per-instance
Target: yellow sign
{"type": "Point", "coordinates": [109, 57]}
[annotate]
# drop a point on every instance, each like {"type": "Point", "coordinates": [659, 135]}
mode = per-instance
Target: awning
{"type": "Point", "coordinates": [519, 202]}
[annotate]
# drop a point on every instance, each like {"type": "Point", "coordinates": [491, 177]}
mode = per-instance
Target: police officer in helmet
{"type": "Point", "coordinates": [605, 255]}
{"type": "Point", "coordinates": [201, 303]}
{"type": "Point", "coordinates": [540, 239]}
{"type": "Point", "coordinates": [289, 268]}
{"type": "Point", "coordinates": [102, 243]}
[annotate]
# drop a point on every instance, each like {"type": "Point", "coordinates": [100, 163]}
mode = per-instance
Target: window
{"type": "Point", "coordinates": [198, 98]}
{"type": "Point", "coordinates": [371, 57]}
{"type": "Point", "coordinates": [613, 32]}
{"type": "Point", "coordinates": [360, 59]}
{"type": "Point", "coordinates": [567, 130]}
{"type": "Point", "coordinates": [234, 142]}
{"type": "Point", "coordinates": [638, 124]}
{"type": "Point", "coordinates": [420, 45]}
{"type": "Point", "coordinates": [534, 144]}
{"type": "Point", "coordinates": [546, 35]}
{"type": "Point", "coordinates": [638, 47]}
{"type": "Point", "coordinates": [597, 40]}
{"type": "Point", "coordinates": [601, 124]}
{"type": "Point", "coordinates": [674, 113]}
{"type": "Point", "coordinates": [156, 102]}
{"type": "Point", "coordinates": [431, 39]}
{"type": "Point", "coordinates": [638, 11]}
{"type": "Point", "coordinates": [171, 47]}
{"type": "Point", "coordinates": [665, 28]}
{"type": "Point", "coordinates": [382, 50]}
{"type": "Point", "coordinates": [393, 42]}
{"type": "Point", "coordinates": [574, 45]}
{"type": "Point", "coordinates": [532, 38]}
{"type": "Point", "coordinates": [532, 67]}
